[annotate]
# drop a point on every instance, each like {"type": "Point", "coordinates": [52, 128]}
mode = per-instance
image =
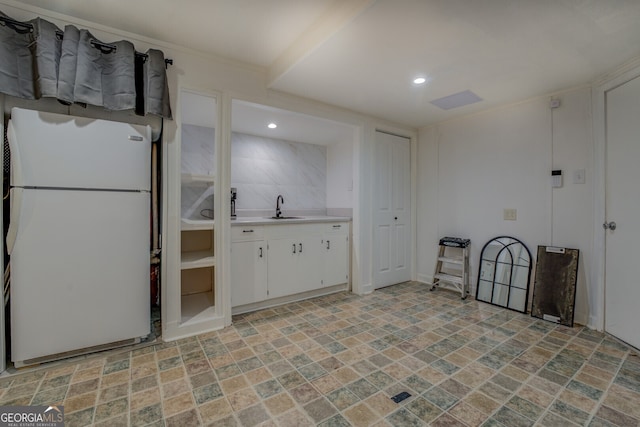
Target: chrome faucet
{"type": "Point", "coordinates": [279, 200]}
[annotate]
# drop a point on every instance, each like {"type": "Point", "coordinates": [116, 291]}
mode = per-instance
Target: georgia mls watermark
{"type": "Point", "coordinates": [31, 416]}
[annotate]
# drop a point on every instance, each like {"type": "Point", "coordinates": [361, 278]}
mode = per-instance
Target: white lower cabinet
{"type": "Point", "coordinates": [295, 265]}
{"type": "Point", "coordinates": [249, 272]}
{"type": "Point", "coordinates": [336, 256]}
{"type": "Point", "coordinates": [275, 261]}
{"type": "Point", "coordinates": [248, 265]}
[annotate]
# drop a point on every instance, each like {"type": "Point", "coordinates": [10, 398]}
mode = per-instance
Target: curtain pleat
{"type": "Point", "coordinates": [156, 89]}
{"type": "Point", "coordinates": [46, 52]}
{"type": "Point", "coordinates": [16, 62]}
{"type": "Point", "coordinates": [105, 78]}
{"type": "Point", "coordinates": [68, 65]}
{"type": "Point", "coordinates": [38, 60]}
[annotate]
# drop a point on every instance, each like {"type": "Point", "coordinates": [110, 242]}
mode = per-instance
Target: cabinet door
{"type": "Point", "coordinates": [336, 259]}
{"type": "Point", "coordinates": [248, 272]}
{"type": "Point", "coordinates": [310, 263]}
{"type": "Point", "coordinates": [283, 272]}
{"type": "Point", "coordinates": [295, 265]}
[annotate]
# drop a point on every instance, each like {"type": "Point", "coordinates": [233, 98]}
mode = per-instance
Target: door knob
{"type": "Point", "coordinates": [609, 225]}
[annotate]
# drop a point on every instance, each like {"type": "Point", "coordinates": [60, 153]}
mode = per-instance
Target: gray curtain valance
{"type": "Point", "coordinates": [38, 60]}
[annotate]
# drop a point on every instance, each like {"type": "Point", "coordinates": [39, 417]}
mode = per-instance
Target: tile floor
{"type": "Point", "coordinates": [337, 360]}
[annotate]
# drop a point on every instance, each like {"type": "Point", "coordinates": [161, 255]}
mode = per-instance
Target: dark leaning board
{"type": "Point", "coordinates": [554, 290]}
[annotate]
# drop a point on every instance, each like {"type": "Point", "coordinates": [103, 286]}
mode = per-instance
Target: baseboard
{"type": "Point", "coordinates": [176, 331]}
{"type": "Point", "coordinates": [428, 279]}
{"type": "Point", "coordinates": [424, 278]}
{"type": "Point", "coordinates": [594, 324]}
{"type": "Point", "coordinates": [366, 289]}
{"type": "Point", "coordinates": [289, 298]}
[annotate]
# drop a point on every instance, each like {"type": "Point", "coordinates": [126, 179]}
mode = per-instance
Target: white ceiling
{"type": "Point", "coordinates": [253, 119]}
{"type": "Point", "coordinates": [363, 54]}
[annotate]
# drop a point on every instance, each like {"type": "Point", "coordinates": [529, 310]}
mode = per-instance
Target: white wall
{"type": "Point", "coordinates": [228, 80]}
{"type": "Point", "coordinates": [340, 175]}
{"type": "Point", "coordinates": [263, 168]}
{"type": "Point", "coordinates": [471, 168]}
{"type": "Point", "coordinates": [573, 213]}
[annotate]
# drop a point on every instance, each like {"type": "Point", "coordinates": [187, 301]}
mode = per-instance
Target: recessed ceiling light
{"type": "Point", "coordinates": [272, 125]}
{"type": "Point", "coordinates": [419, 80]}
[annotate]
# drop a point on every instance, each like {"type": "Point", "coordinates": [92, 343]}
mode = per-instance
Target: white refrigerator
{"type": "Point", "coordinates": [78, 236]}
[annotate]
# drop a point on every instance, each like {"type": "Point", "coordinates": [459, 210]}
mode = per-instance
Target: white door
{"type": "Point", "coordinates": [310, 262]}
{"type": "Point", "coordinates": [295, 265]}
{"type": "Point", "coordinates": [54, 150]}
{"type": "Point", "coordinates": [622, 289]}
{"type": "Point", "coordinates": [79, 270]}
{"type": "Point", "coordinates": [248, 272]}
{"type": "Point", "coordinates": [392, 210]}
{"type": "Point", "coordinates": [336, 262]}
{"type": "Point", "coordinates": [282, 269]}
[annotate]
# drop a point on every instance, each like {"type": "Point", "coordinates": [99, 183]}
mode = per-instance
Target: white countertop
{"type": "Point", "coordinates": [256, 220]}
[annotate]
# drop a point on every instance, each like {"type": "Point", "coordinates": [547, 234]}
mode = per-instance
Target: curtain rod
{"type": "Point", "coordinates": [26, 27]}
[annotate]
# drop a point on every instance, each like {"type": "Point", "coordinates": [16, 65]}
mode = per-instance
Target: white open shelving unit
{"type": "Point", "coordinates": [197, 265]}
{"type": "Point", "coordinates": [197, 226]}
{"type": "Point", "coordinates": [190, 178]}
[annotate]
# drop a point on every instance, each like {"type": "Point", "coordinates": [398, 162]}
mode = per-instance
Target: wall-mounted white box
{"type": "Point", "coordinates": [578, 176]}
{"type": "Point", "coordinates": [510, 214]}
{"type": "Point", "coordinates": [556, 178]}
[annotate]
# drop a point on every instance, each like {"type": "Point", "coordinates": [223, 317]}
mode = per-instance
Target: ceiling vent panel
{"type": "Point", "coordinates": [456, 100]}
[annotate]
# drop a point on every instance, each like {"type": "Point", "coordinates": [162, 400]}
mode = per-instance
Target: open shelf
{"type": "Point", "coordinates": [197, 307]}
{"type": "Point", "coordinates": [188, 178]}
{"type": "Point", "coordinates": [196, 224]}
{"type": "Point", "coordinates": [197, 292]}
{"type": "Point", "coordinates": [197, 259]}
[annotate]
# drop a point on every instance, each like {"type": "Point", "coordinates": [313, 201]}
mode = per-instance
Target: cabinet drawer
{"type": "Point", "coordinates": [247, 233]}
{"type": "Point", "coordinates": [337, 227]}
{"type": "Point", "coordinates": [284, 231]}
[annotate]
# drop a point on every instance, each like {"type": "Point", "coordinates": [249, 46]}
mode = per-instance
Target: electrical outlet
{"type": "Point", "coordinates": [510, 214]}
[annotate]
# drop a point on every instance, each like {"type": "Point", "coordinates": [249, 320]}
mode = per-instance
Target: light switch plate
{"type": "Point", "coordinates": [578, 176]}
{"type": "Point", "coordinates": [510, 214]}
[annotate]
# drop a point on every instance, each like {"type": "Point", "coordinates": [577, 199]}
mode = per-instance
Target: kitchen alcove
{"type": "Point", "coordinates": [323, 163]}
{"type": "Point", "coordinates": [307, 159]}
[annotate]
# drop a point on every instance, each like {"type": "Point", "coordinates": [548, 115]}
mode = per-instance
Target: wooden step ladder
{"type": "Point", "coordinates": [452, 267]}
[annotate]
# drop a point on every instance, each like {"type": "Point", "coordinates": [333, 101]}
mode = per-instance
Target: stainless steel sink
{"type": "Point", "coordinates": [287, 217]}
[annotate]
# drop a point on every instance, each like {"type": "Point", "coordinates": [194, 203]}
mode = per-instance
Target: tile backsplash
{"type": "Point", "coordinates": [197, 158]}
{"type": "Point", "coordinates": [198, 150]}
{"type": "Point", "coordinates": [262, 168]}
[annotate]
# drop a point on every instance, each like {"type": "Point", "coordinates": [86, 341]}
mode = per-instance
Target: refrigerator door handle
{"type": "Point", "coordinates": [12, 232]}
{"type": "Point", "coordinates": [16, 165]}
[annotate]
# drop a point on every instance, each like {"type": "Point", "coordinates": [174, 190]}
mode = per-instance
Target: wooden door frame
{"type": "Point", "coordinates": [597, 289]}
